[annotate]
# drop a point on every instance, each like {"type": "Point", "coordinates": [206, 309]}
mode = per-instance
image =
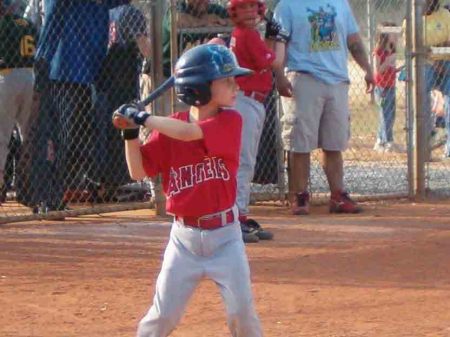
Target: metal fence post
{"type": "Point", "coordinates": [371, 29]}
{"type": "Point", "coordinates": [409, 95]}
{"type": "Point", "coordinates": [421, 137]}
{"type": "Point", "coordinates": [158, 106]}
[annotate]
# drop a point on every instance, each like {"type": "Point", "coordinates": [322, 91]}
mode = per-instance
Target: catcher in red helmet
{"type": "Point", "coordinates": [256, 53]}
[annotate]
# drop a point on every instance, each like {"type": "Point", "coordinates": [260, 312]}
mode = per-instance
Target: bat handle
{"type": "Point", "coordinates": [166, 85]}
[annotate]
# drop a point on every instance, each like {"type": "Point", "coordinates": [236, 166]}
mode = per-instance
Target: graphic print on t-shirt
{"type": "Point", "coordinates": [323, 28]}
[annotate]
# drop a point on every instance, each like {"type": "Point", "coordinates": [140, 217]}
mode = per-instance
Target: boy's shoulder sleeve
{"type": "Point", "coordinates": [283, 15]}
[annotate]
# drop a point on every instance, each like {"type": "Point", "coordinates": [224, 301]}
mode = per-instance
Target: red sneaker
{"type": "Point", "coordinates": [301, 204]}
{"type": "Point", "coordinates": [340, 202]}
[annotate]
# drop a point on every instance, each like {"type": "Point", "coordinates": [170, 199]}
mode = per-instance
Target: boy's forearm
{"type": "Point", "coordinates": [134, 159]}
{"type": "Point", "coordinates": [175, 128]}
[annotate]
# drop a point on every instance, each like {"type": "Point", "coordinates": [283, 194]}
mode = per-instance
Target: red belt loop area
{"type": "Point", "coordinates": [256, 95]}
{"type": "Point", "coordinates": [209, 221]}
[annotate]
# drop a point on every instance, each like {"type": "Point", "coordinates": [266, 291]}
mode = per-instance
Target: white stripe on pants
{"type": "Point", "coordinates": [253, 114]}
{"type": "Point", "coordinates": [191, 255]}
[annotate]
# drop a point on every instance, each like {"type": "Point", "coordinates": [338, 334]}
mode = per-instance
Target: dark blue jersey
{"type": "Point", "coordinates": [74, 38]}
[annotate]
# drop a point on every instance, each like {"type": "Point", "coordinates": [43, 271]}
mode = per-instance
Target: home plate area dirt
{"type": "Point", "coordinates": [385, 272]}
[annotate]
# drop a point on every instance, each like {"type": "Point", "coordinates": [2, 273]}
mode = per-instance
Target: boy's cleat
{"type": "Point", "coordinates": [249, 233]}
{"type": "Point", "coordinates": [261, 233]}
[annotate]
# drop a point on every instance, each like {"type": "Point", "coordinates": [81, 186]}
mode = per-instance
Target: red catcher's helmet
{"type": "Point", "coordinates": [239, 15]}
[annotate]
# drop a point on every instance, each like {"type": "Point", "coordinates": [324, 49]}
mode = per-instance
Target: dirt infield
{"type": "Point", "coordinates": [385, 272]}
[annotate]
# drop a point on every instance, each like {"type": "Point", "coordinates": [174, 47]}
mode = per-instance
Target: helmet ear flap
{"type": "Point", "coordinates": [194, 94]}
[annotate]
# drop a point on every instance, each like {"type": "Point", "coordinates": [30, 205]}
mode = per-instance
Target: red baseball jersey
{"type": "Point", "coordinates": [387, 78]}
{"type": "Point", "coordinates": [252, 52]}
{"type": "Point", "coordinates": [199, 177]}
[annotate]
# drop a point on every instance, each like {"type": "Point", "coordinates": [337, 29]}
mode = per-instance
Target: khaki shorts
{"type": "Point", "coordinates": [317, 116]}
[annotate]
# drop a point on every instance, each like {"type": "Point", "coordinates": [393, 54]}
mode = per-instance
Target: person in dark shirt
{"type": "Point", "coordinates": [72, 46]}
{"type": "Point", "coordinates": [117, 84]}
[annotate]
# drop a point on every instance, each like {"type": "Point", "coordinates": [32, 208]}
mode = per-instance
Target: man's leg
{"type": "Point", "coordinates": [333, 165]}
{"type": "Point", "coordinates": [300, 134]}
{"type": "Point", "coordinates": [75, 144]}
{"type": "Point", "coordinates": [299, 170]}
{"type": "Point", "coordinates": [334, 135]}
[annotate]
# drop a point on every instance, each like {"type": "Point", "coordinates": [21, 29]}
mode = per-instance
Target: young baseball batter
{"type": "Point", "coordinates": [256, 54]}
{"type": "Point", "coordinates": [197, 153]}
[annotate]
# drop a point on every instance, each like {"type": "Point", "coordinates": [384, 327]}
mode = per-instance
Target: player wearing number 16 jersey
{"type": "Point", "coordinates": [17, 47]}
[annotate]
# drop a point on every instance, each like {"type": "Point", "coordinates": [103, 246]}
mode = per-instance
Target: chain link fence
{"type": "Point", "coordinates": [61, 156]}
{"type": "Point", "coordinates": [436, 41]}
{"type": "Point", "coordinates": [60, 152]}
{"type": "Point", "coordinates": [376, 162]}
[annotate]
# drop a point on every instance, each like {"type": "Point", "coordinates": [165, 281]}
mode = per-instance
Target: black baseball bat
{"type": "Point", "coordinates": [166, 85]}
{"type": "Point", "coordinates": [123, 123]}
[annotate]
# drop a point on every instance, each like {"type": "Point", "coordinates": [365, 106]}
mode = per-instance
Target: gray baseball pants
{"type": "Point", "coordinates": [191, 255]}
{"type": "Point", "coordinates": [253, 114]}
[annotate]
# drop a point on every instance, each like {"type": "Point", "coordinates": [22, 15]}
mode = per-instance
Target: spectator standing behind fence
{"type": "Point", "coordinates": [316, 112]}
{"type": "Point", "coordinates": [72, 46]}
{"type": "Point", "coordinates": [17, 48]}
{"type": "Point", "coordinates": [254, 53]}
{"type": "Point", "coordinates": [35, 168]}
{"type": "Point", "coordinates": [437, 34]}
{"type": "Point", "coordinates": [190, 14]}
{"type": "Point", "coordinates": [386, 69]}
{"type": "Point", "coordinates": [117, 83]}
{"type": "Point", "coordinates": [436, 24]}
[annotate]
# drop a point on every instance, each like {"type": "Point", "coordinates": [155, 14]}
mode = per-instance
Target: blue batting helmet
{"type": "Point", "coordinates": [198, 67]}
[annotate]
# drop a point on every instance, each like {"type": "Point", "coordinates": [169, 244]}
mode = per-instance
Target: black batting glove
{"type": "Point", "coordinates": [130, 116]}
{"type": "Point", "coordinates": [273, 28]}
